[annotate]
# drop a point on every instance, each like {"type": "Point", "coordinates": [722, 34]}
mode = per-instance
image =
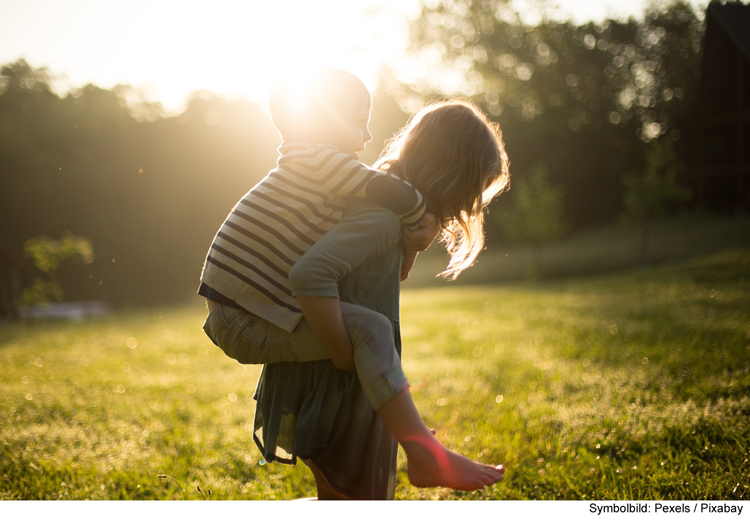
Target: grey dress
{"type": "Point", "coordinates": [312, 410]}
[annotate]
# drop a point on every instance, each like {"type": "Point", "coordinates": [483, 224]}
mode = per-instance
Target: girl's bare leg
{"type": "Point", "coordinates": [430, 464]}
{"type": "Point", "coordinates": [325, 491]}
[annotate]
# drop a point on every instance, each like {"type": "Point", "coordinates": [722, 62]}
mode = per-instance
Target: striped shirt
{"type": "Point", "coordinates": [279, 219]}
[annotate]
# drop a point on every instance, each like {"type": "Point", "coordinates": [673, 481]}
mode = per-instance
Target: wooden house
{"type": "Point", "coordinates": [715, 143]}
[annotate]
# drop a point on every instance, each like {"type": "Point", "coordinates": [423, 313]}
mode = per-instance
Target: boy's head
{"type": "Point", "coordinates": [324, 105]}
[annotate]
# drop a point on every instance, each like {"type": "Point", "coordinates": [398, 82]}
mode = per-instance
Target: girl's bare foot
{"type": "Point", "coordinates": [430, 464]}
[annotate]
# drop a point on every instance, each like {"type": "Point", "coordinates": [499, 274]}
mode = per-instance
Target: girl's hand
{"type": "Point", "coordinates": [421, 238]}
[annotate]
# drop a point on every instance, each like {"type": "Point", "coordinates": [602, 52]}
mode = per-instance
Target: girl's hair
{"type": "Point", "coordinates": [456, 158]}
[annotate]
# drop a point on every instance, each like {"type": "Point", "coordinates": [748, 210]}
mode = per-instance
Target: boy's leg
{"type": "Point", "coordinates": [376, 360]}
{"type": "Point", "coordinates": [429, 463]}
{"type": "Point", "coordinates": [378, 365]}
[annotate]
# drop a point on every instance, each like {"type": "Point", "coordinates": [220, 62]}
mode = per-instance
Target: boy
{"type": "Point", "coordinates": [253, 316]}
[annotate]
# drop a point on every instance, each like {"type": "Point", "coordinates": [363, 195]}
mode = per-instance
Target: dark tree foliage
{"type": "Point", "coordinates": [149, 192]}
{"type": "Point", "coordinates": [582, 99]}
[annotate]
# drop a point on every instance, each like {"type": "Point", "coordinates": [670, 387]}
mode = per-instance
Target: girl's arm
{"type": "Point", "coordinates": [324, 316]}
{"type": "Point", "coordinates": [361, 236]}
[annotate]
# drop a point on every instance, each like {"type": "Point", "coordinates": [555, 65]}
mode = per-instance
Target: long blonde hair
{"type": "Point", "coordinates": [456, 158]}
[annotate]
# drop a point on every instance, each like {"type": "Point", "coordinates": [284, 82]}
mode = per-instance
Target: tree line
{"type": "Point", "coordinates": [579, 106]}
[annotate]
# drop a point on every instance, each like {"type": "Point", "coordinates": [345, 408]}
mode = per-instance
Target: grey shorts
{"type": "Point", "coordinates": [250, 339]}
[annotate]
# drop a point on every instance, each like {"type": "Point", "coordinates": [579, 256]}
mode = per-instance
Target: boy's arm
{"type": "Point", "coordinates": [417, 240]}
{"type": "Point", "coordinates": [340, 175]}
{"type": "Point", "coordinates": [397, 195]}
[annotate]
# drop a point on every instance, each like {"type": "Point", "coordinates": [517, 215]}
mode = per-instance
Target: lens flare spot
{"type": "Point", "coordinates": [499, 399]}
{"type": "Point", "coordinates": [131, 342]}
{"type": "Point", "coordinates": [441, 402]}
{"type": "Point", "coordinates": [125, 367]}
{"type": "Point", "coordinates": [232, 397]}
{"type": "Point", "coordinates": [29, 396]}
{"type": "Point", "coordinates": [39, 362]}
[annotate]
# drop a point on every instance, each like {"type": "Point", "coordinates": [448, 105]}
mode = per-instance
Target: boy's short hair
{"type": "Point", "coordinates": [323, 98]}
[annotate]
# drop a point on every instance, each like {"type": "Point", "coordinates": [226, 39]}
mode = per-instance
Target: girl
{"type": "Point", "coordinates": [455, 157]}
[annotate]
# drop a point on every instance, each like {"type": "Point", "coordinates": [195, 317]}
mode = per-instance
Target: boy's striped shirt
{"type": "Point", "coordinates": [279, 219]}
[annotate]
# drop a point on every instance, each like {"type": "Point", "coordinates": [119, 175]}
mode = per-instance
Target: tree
{"type": "Point", "coordinates": [647, 195]}
{"type": "Point", "coordinates": [611, 73]}
{"type": "Point", "coordinates": [585, 100]}
{"type": "Point", "coordinates": [148, 190]}
{"type": "Point", "coordinates": [535, 215]}
{"type": "Point", "coordinates": [47, 254]}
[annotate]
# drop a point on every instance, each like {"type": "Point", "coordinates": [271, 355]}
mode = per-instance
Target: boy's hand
{"type": "Point", "coordinates": [417, 240]}
{"type": "Point", "coordinates": [421, 238]}
{"type": "Point", "coordinates": [409, 258]}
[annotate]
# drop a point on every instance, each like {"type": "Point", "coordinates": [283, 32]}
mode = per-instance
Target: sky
{"type": "Point", "coordinates": [170, 48]}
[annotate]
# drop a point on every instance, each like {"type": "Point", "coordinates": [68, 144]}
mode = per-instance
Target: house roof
{"type": "Point", "coordinates": [734, 19]}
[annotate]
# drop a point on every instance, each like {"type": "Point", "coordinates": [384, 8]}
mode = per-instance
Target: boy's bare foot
{"type": "Point", "coordinates": [430, 464]}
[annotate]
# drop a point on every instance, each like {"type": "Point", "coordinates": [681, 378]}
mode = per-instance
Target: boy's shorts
{"type": "Point", "coordinates": [250, 339]}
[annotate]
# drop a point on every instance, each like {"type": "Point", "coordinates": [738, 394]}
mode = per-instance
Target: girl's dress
{"type": "Point", "coordinates": [312, 410]}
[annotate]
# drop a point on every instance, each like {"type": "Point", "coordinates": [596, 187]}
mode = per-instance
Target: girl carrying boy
{"type": "Point", "coordinates": [454, 156]}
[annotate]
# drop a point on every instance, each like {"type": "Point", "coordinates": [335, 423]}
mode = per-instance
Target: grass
{"type": "Point", "coordinates": [630, 386]}
{"type": "Point", "coordinates": [593, 251]}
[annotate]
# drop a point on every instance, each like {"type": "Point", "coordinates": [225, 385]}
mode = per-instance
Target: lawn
{"type": "Point", "coordinates": [590, 251]}
{"type": "Point", "coordinates": [634, 385]}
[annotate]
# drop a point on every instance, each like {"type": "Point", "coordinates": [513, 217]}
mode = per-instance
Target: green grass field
{"type": "Point", "coordinates": [630, 386]}
{"type": "Point", "coordinates": [589, 251]}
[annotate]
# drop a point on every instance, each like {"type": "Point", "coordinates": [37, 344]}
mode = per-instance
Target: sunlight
{"type": "Point", "coordinates": [169, 49]}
